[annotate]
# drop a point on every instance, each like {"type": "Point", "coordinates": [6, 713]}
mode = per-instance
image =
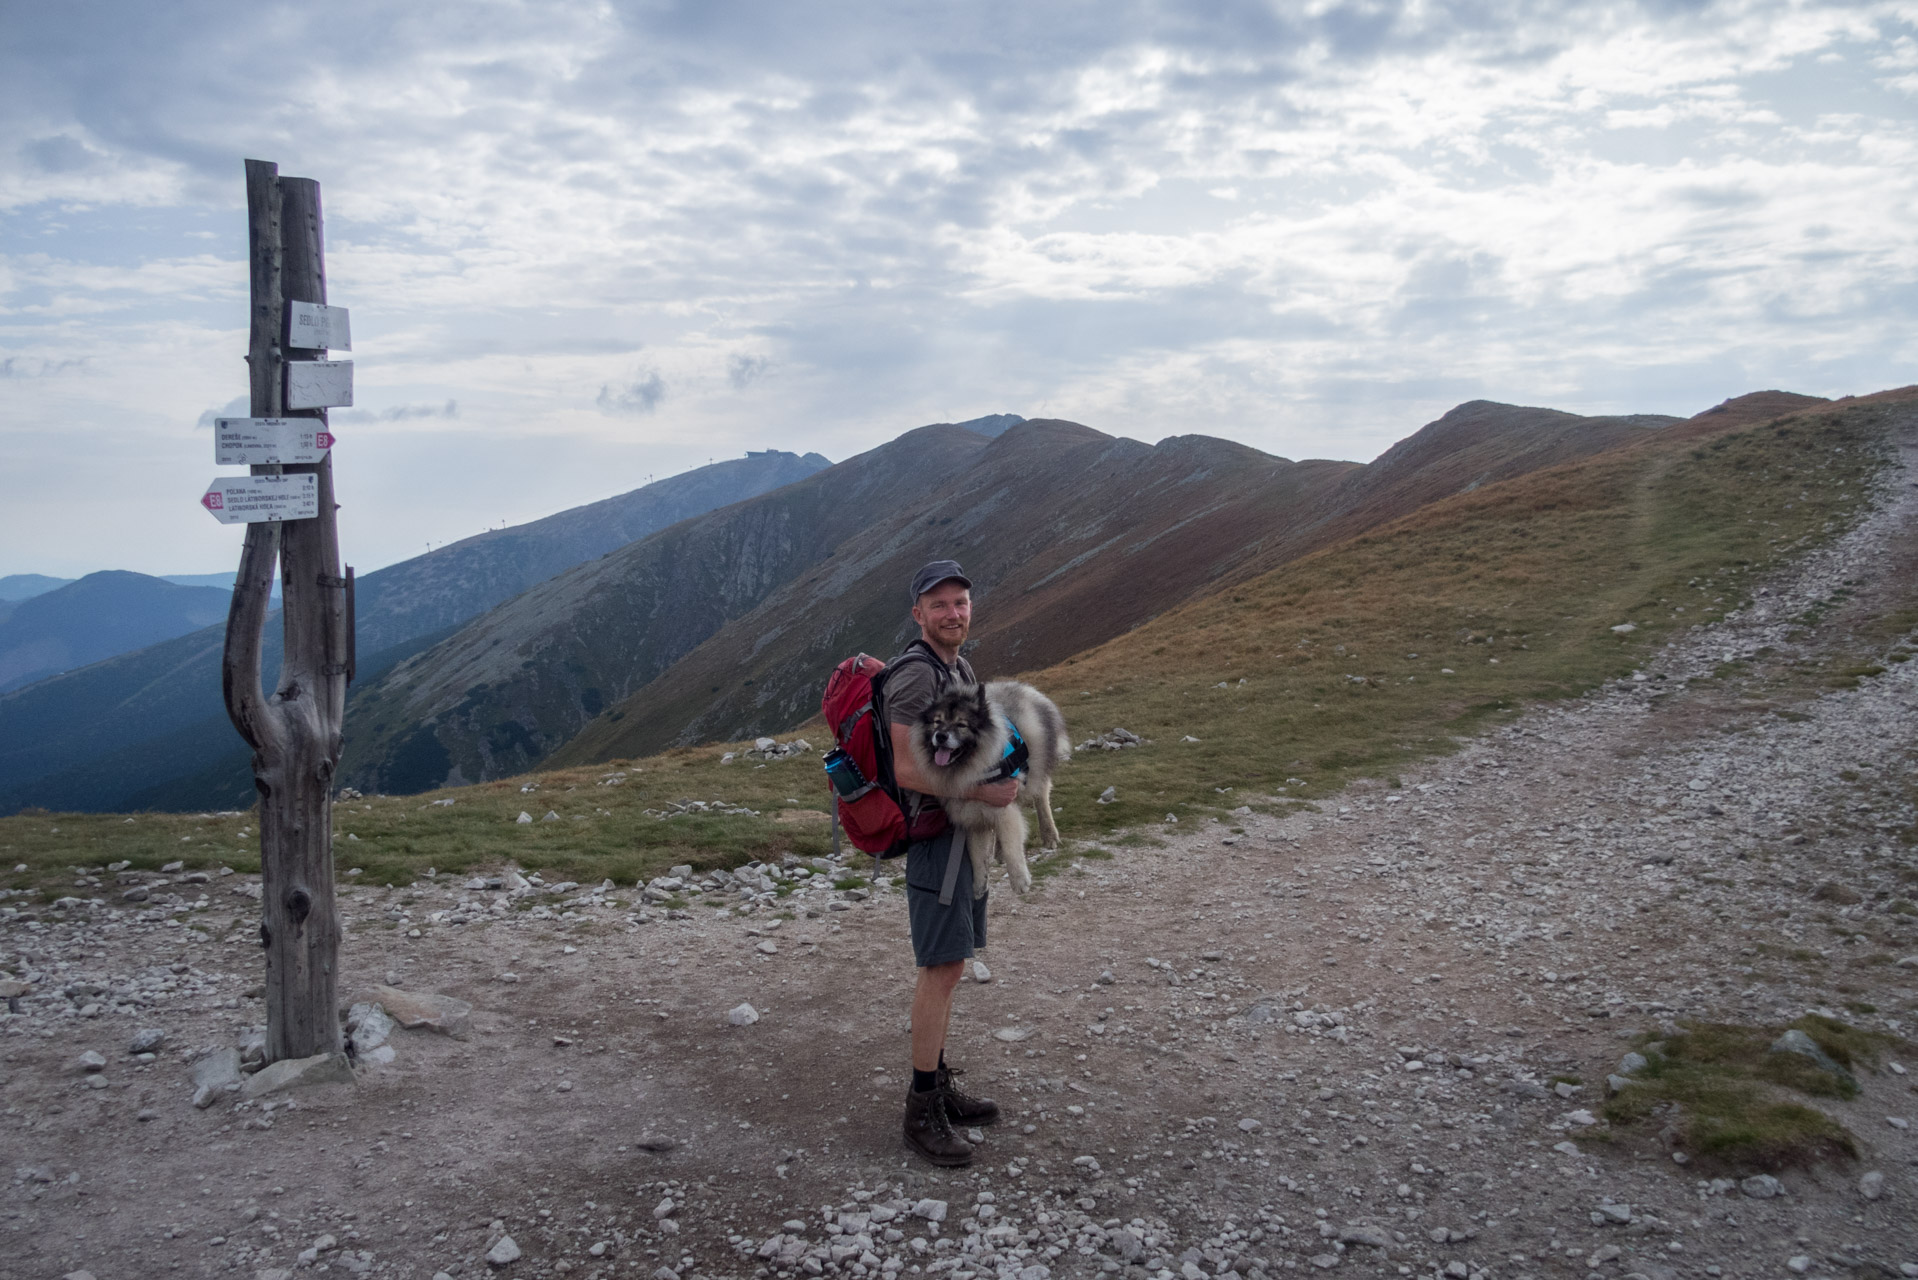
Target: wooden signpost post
{"type": "Point", "coordinates": [295, 734]}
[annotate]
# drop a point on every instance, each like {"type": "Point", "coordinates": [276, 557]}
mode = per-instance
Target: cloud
{"type": "Point", "coordinates": [60, 153]}
{"type": "Point", "coordinates": [744, 370]}
{"type": "Point", "coordinates": [238, 407]}
{"type": "Point", "coordinates": [27, 367]}
{"type": "Point", "coordinates": [397, 413]}
{"type": "Point", "coordinates": [1311, 228]}
{"type": "Point", "coordinates": [640, 396]}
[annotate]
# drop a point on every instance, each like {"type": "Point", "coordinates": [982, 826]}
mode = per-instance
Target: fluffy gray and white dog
{"type": "Point", "coordinates": [961, 741]}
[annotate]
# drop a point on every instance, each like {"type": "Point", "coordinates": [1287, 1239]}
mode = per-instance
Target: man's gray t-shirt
{"type": "Point", "coordinates": [910, 688]}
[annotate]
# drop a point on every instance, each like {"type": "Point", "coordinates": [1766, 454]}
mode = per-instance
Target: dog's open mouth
{"type": "Point", "coordinates": [942, 757]}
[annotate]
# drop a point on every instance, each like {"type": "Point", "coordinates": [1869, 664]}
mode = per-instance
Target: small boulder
{"type": "Point", "coordinates": [424, 1009]}
{"type": "Point", "coordinates": [368, 1027]}
{"type": "Point", "coordinates": [213, 1074]}
{"type": "Point", "coordinates": [504, 1253]}
{"type": "Point", "coordinates": [1796, 1041]}
{"type": "Point", "coordinates": [742, 1015]}
{"type": "Point", "coordinates": [146, 1040]}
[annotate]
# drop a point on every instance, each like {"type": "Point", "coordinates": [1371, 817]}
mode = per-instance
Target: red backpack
{"type": "Point", "coordinates": [866, 800]}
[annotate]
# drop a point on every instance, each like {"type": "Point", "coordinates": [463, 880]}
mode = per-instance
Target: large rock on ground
{"type": "Point", "coordinates": [299, 1073]}
{"type": "Point", "coordinates": [416, 1009]}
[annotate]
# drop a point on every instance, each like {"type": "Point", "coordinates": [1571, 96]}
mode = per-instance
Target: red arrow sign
{"type": "Point", "coordinates": [213, 500]}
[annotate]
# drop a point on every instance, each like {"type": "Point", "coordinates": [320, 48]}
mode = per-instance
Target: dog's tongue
{"type": "Point", "coordinates": [942, 757]}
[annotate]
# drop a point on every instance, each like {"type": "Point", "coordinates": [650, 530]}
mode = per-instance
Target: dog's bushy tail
{"type": "Point", "coordinates": [1055, 727]}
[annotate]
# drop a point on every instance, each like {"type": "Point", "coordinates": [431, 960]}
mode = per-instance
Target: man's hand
{"type": "Point", "coordinates": [997, 794]}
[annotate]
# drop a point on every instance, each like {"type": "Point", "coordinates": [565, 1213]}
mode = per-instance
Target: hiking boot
{"type": "Point", "coordinates": [929, 1132]}
{"type": "Point", "coordinates": [961, 1108]}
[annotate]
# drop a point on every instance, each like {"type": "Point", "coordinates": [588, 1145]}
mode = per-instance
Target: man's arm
{"type": "Point", "coordinates": [905, 771]}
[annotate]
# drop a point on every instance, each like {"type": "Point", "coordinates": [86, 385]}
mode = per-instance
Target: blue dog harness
{"type": "Point", "coordinates": [1017, 758]}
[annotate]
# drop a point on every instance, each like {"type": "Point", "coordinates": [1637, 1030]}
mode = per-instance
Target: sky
{"type": "Point", "coordinates": [587, 243]}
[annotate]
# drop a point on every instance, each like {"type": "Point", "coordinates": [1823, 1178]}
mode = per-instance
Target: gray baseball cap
{"type": "Point", "coordinates": [935, 573]}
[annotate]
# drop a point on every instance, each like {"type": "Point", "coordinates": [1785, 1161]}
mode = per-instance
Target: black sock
{"type": "Point", "coordinates": [924, 1081]}
{"type": "Point", "coordinates": [942, 1061]}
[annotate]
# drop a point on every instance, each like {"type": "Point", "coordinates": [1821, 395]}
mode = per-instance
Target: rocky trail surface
{"type": "Point", "coordinates": [1340, 1039]}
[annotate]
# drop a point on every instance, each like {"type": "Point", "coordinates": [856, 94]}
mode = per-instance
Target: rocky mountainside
{"type": "Point", "coordinates": [464, 579]}
{"type": "Point", "coordinates": [1073, 538]}
{"type": "Point", "coordinates": [96, 617]}
{"type": "Point", "coordinates": [1070, 537]}
{"type": "Point", "coordinates": [510, 687]}
{"type": "Point", "coordinates": [147, 728]}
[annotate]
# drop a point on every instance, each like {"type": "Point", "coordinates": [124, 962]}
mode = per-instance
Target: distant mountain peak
{"type": "Point", "coordinates": [25, 586]}
{"type": "Point", "coordinates": [993, 424]}
{"type": "Point", "coordinates": [1757, 406]}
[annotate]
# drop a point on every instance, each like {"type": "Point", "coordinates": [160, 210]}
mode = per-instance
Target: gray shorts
{"type": "Point", "coordinates": [941, 934]}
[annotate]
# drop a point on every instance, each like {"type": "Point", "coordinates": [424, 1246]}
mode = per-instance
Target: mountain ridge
{"type": "Point", "coordinates": [1199, 513]}
{"type": "Point", "coordinates": [584, 625]}
{"type": "Point", "coordinates": [95, 617]}
{"type": "Point", "coordinates": [159, 707]}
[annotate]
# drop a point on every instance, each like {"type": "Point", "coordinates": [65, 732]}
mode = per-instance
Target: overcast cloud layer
{"type": "Point", "coordinates": [585, 243]}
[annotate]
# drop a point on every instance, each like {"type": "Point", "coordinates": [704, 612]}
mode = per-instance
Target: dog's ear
{"type": "Point", "coordinates": [979, 695]}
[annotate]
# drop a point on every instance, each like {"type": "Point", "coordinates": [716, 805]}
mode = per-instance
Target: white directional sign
{"type": "Point", "coordinates": [319, 384]}
{"type": "Point", "coordinates": [314, 326]}
{"type": "Point", "coordinates": [248, 499]}
{"type": "Point", "coordinates": [253, 441]}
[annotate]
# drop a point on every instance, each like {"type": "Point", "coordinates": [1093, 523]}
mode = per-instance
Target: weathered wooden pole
{"type": "Point", "coordinates": [295, 735]}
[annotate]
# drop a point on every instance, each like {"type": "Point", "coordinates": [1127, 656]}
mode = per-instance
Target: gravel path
{"type": "Point", "coordinates": [1317, 1042]}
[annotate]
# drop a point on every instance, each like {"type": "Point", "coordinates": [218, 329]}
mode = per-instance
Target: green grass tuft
{"type": "Point", "coordinates": [1719, 1091]}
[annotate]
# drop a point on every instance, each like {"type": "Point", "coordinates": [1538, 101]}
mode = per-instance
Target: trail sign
{"type": "Point", "coordinates": [319, 384]}
{"type": "Point", "coordinates": [251, 499]}
{"type": "Point", "coordinates": [314, 326]}
{"type": "Point", "coordinates": [257, 441]}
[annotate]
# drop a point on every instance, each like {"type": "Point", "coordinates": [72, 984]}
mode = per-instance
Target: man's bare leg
{"type": "Point", "coordinates": [932, 1012]}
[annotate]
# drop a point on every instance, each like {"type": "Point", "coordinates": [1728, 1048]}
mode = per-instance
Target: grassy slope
{"type": "Point", "coordinates": [1514, 587]}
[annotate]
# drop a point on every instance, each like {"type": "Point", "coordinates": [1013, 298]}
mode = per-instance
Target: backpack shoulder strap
{"type": "Point", "coordinates": [917, 651]}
